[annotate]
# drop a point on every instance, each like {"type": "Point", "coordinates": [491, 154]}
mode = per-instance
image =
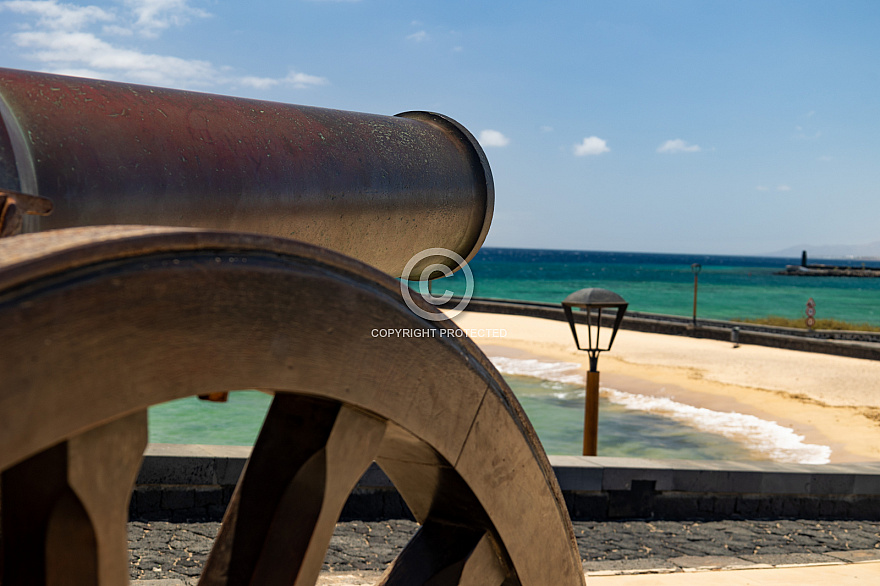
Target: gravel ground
{"type": "Point", "coordinates": [178, 550]}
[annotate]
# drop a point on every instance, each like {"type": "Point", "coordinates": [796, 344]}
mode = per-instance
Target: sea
{"type": "Point", "coordinates": [728, 287]}
{"type": "Point", "coordinates": [552, 395]}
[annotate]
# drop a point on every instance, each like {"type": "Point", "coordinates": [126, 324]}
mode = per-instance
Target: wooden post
{"type": "Point", "coordinates": [591, 414]}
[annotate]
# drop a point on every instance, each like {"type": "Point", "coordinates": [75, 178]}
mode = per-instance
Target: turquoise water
{"type": "Point", "coordinates": [556, 410]}
{"type": "Point", "coordinates": [193, 421]}
{"type": "Point", "coordinates": [729, 287]}
{"type": "Point", "coordinates": [557, 420]}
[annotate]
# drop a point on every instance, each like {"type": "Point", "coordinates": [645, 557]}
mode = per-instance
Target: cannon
{"type": "Point", "coordinates": [162, 278]}
{"type": "Point", "coordinates": [377, 188]}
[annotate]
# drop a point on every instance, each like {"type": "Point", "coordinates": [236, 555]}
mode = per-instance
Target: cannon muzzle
{"type": "Point", "coordinates": [378, 188]}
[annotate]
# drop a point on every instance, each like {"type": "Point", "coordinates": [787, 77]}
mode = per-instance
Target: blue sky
{"type": "Point", "coordinates": [669, 126]}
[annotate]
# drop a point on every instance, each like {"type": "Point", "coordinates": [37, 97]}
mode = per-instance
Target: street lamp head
{"type": "Point", "coordinates": [589, 300]}
{"type": "Point", "coordinates": [696, 268]}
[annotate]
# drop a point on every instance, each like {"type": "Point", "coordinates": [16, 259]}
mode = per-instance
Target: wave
{"type": "Point", "coordinates": [779, 443]}
{"type": "Point", "coordinates": [560, 372]}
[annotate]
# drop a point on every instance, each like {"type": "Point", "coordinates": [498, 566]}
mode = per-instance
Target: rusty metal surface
{"type": "Point", "coordinates": [378, 188]}
{"type": "Point", "coordinates": [8, 174]}
{"type": "Point", "coordinates": [14, 206]}
{"type": "Point", "coordinates": [109, 321]}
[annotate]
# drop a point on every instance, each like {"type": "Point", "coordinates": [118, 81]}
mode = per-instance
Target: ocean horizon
{"type": "Point", "coordinates": [730, 287]}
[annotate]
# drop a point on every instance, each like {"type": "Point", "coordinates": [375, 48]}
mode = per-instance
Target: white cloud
{"type": "Point", "coordinates": [294, 78]}
{"type": "Point", "coordinates": [77, 49]}
{"type": "Point", "coordinates": [303, 80]}
{"type": "Point", "coordinates": [261, 83]}
{"type": "Point", "coordinates": [153, 16]}
{"type": "Point", "coordinates": [86, 49]}
{"type": "Point", "coordinates": [50, 14]}
{"type": "Point", "coordinates": [678, 146]}
{"type": "Point", "coordinates": [762, 188]}
{"type": "Point", "coordinates": [783, 188]}
{"type": "Point", "coordinates": [546, 128]}
{"type": "Point", "coordinates": [418, 37]}
{"type": "Point", "coordinates": [493, 138]}
{"type": "Point", "coordinates": [592, 145]}
{"type": "Point", "coordinates": [116, 30]}
{"type": "Point", "coordinates": [65, 39]}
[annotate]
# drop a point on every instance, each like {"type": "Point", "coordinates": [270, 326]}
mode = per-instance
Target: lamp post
{"type": "Point", "coordinates": [588, 300]}
{"type": "Point", "coordinates": [696, 268]}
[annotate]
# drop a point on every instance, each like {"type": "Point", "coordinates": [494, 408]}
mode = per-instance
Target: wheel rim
{"type": "Point", "coordinates": [104, 322]}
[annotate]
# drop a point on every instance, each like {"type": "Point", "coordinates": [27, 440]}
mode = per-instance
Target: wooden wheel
{"type": "Point", "coordinates": [100, 323]}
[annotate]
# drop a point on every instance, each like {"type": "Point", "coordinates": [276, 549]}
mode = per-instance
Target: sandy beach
{"type": "Point", "coordinates": [830, 400]}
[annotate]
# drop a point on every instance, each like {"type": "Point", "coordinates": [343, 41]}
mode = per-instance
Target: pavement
{"type": "Point", "coordinates": [618, 553]}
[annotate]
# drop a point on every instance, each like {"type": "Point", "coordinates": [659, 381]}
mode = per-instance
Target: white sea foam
{"type": "Point", "coordinates": [778, 442]}
{"type": "Point", "coordinates": [560, 372]}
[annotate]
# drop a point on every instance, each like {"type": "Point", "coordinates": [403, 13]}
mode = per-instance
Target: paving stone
{"type": "Point", "coordinates": [356, 578]}
{"type": "Point", "coordinates": [793, 559]}
{"type": "Point", "coordinates": [647, 565]}
{"type": "Point", "coordinates": [716, 562]}
{"type": "Point", "coordinates": [858, 555]}
{"type": "Point", "coordinates": [162, 549]}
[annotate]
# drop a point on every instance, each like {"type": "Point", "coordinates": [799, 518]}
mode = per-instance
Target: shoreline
{"type": "Point", "coordinates": [830, 400]}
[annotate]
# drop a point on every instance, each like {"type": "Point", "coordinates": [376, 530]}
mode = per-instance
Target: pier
{"type": "Point", "coordinates": [821, 270]}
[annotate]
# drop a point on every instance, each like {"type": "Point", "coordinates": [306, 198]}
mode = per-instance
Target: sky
{"type": "Point", "coordinates": [655, 126]}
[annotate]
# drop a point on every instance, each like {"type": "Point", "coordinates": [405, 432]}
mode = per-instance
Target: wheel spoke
{"type": "Point", "coordinates": [105, 322]}
{"type": "Point", "coordinates": [65, 509]}
{"type": "Point", "coordinates": [447, 555]}
{"type": "Point", "coordinates": [308, 458]}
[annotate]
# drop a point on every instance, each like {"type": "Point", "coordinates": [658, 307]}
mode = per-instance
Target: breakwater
{"type": "Point", "coordinates": [864, 345]}
{"type": "Point", "coordinates": [814, 270]}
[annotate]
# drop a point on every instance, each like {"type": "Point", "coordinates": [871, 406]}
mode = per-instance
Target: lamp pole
{"type": "Point", "coordinates": [696, 268]}
{"type": "Point", "coordinates": [588, 300]}
{"type": "Point", "coordinates": [591, 412]}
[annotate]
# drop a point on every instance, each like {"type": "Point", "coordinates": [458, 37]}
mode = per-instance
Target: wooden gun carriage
{"type": "Point", "coordinates": [160, 244]}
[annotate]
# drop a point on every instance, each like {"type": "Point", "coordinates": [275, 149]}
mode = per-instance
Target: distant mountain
{"type": "Point", "coordinates": [869, 251]}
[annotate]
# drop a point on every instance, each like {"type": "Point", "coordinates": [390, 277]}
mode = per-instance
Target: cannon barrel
{"type": "Point", "coordinates": [378, 188]}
